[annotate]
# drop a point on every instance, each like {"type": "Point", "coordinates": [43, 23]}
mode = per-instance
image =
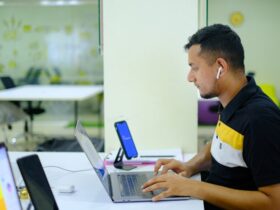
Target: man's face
{"type": "Point", "coordinates": [202, 74]}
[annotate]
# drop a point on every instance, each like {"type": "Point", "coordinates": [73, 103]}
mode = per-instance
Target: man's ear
{"type": "Point", "coordinates": [223, 64]}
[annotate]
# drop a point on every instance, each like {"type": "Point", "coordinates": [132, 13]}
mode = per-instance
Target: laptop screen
{"type": "Point", "coordinates": [93, 156]}
{"type": "Point", "coordinates": [9, 199]}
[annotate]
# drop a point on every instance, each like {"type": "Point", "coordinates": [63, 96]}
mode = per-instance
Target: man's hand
{"type": "Point", "coordinates": [174, 165]}
{"type": "Point", "coordinates": [174, 185]}
{"type": "Point", "coordinates": [202, 161]}
{"type": "Point", "coordinates": [227, 198]}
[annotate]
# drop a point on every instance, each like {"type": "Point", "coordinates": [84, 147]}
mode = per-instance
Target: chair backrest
{"type": "Point", "coordinates": [7, 82]}
{"type": "Point", "coordinates": [270, 91]}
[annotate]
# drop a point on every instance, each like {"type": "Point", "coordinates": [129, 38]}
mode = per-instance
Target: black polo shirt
{"type": "Point", "coordinates": [246, 145]}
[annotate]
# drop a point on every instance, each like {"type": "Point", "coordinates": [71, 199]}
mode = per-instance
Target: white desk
{"type": "Point", "coordinates": [90, 194]}
{"type": "Point", "coordinates": [51, 93]}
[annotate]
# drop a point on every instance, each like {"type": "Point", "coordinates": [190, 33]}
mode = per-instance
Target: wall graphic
{"type": "Point", "coordinates": [50, 44]}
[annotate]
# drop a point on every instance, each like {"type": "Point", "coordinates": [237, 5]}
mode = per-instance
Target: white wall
{"type": "Point", "coordinates": [145, 70]}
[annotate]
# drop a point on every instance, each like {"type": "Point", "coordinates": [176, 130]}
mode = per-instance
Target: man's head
{"type": "Point", "coordinates": [214, 51]}
{"type": "Point", "coordinates": [219, 41]}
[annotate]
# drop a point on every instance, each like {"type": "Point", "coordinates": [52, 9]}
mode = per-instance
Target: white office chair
{"type": "Point", "coordinates": [9, 114]}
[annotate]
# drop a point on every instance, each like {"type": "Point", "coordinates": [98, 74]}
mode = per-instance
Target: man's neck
{"type": "Point", "coordinates": [231, 88]}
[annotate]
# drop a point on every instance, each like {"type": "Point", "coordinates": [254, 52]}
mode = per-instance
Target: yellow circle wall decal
{"type": "Point", "coordinates": [236, 18]}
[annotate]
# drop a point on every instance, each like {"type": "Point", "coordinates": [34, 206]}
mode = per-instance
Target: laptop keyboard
{"type": "Point", "coordinates": [131, 184]}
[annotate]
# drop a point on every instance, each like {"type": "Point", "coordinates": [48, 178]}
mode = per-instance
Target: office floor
{"type": "Point", "coordinates": [45, 127]}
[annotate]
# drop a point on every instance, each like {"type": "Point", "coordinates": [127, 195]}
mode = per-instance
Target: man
{"type": "Point", "coordinates": [243, 158]}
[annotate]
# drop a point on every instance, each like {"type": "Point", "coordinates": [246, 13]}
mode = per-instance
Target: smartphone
{"type": "Point", "coordinates": [37, 183]}
{"type": "Point", "coordinates": [126, 139]}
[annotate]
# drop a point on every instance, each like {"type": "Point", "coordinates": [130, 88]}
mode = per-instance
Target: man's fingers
{"type": "Point", "coordinates": [153, 187]}
{"type": "Point", "coordinates": [165, 169]}
{"type": "Point", "coordinates": [153, 181]}
{"type": "Point", "coordinates": [159, 163]}
{"type": "Point", "coordinates": [161, 196]}
{"type": "Point", "coordinates": [160, 185]}
{"type": "Point", "coordinates": [183, 174]}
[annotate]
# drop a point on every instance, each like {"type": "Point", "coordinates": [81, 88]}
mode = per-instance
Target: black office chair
{"type": "Point", "coordinates": [29, 110]}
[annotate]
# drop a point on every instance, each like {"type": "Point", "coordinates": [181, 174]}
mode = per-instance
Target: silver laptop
{"type": "Point", "coordinates": [120, 186]}
{"type": "Point", "coordinates": [9, 199]}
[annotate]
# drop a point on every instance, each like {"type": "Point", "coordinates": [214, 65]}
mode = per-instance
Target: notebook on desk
{"type": "Point", "coordinates": [120, 186]}
{"type": "Point", "coordinates": [9, 199]}
{"type": "Point", "coordinates": [147, 157]}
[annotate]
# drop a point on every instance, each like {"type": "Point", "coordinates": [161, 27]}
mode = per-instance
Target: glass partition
{"type": "Point", "coordinates": [54, 42]}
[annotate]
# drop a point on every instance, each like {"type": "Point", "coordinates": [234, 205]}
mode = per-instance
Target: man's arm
{"type": "Point", "coordinates": [266, 198]}
{"type": "Point", "coordinates": [200, 162]}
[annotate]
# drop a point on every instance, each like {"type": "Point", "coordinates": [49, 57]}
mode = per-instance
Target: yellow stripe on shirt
{"type": "Point", "coordinates": [230, 136]}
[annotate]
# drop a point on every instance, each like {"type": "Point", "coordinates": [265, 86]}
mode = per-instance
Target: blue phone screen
{"type": "Point", "coordinates": [126, 139]}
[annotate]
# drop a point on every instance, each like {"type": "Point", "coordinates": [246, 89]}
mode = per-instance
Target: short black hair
{"type": "Point", "coordinates": [219, 41]}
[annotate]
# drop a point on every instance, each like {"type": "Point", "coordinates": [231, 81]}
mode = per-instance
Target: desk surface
{"type": "Point", "coordinates": [50, 92]}
{"type": "Point", "coordinates": [89, 193]}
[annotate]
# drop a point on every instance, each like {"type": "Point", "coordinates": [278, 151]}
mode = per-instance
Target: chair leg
{"type": "Point", "coordinates": [26, 130]}
{"type": "Point", "coordinates": [5, 135]}
{"type": "Point", "coordinates": [9, 126]}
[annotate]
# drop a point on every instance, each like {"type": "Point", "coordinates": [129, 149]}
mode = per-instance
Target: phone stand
{"type": "Point", "coordinates": [118, 163]}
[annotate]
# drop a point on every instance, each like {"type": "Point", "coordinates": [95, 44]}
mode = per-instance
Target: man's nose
{"type": "Point", "coordinates": [190, 77]}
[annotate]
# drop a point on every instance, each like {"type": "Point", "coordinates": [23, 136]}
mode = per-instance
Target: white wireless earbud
{"type": "Point", "coordinates": [219, 72]}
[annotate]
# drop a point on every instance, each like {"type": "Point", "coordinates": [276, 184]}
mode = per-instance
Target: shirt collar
{"type": "Point", "coordinates": [244, 94]}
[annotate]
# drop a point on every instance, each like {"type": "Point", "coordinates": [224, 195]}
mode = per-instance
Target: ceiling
{"type": "Point", "coordinates": [47, 2]}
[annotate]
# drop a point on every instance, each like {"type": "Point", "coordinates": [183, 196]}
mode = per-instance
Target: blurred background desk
{"type": "Point", "coordinates": [46, 93]}
{"type": "Point", "coordinates": [89, 194]}
{"type": "Point", "coordinates": [31, 93]}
